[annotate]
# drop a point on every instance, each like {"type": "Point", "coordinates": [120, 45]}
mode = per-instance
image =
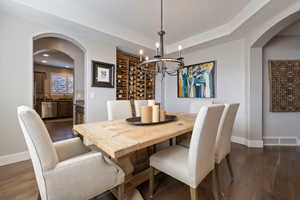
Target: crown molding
{"type": "Point", "coordinates": [221, 31]}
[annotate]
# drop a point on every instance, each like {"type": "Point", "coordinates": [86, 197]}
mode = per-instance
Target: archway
{"type": "Point", "coordinates": [65, 85]}
{"type": "Point", "coordinates": [255, 68]}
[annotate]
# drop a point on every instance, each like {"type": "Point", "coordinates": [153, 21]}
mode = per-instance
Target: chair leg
{"type": "Point", "coordinates": [217, 169]}
{"type": "Point", "coordinates": [38, 195]}
{"type": "Point", "coordinates": [229, 167]}
{"type": "Point", "coordinates": [151, 182]}
{"type": "Point", "coordinates": [215, 185]}
{"type": "Point", "coordinates": [194, 193]}
{"type": "Point", "coordinates": [121, 191]}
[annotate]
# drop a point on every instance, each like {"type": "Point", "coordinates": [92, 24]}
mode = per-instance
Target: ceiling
{"type": "Point", "coordinates": [53, 58]}
{"type": "Point", "coordinates": [140, 19]}
{"type": "Point", "coordinates": [135, 23]}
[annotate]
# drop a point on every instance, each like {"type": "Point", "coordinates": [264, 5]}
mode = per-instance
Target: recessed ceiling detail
{"type": "Point", "coordinates": [189, 22]}
{"type": "Point", "coordinates": [53, 58]}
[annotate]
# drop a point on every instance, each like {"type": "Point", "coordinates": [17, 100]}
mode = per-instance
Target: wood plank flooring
{"type": "Point", "coordinates": [272, 173]}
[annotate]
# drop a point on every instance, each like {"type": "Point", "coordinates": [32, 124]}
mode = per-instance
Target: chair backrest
{"type": "Point", "coordinates": [223, 142]}
{"type": "Point", "coordinates": [118, 109]}
{"type": "Point", "coordinates": [202, 146]}
{"type": "Point", "coordinates": [39, 144]}
{"type": "Point", "coordinates": [137, 105]}
{"type": "Point", "coordinates": [196, 105]}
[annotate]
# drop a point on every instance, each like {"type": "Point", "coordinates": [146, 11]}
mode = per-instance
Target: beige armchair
{"type": "Point", "coordinates": [192, 165]}
{"type": "Point", "coordinates": [66, 169]}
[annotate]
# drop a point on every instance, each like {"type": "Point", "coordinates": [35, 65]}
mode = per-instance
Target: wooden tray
{"type": "Point", "coordinates": [137, 121]}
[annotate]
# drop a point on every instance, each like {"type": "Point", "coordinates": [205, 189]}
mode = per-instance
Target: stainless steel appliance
{"type": "Point", "coordinates": [49, 110]}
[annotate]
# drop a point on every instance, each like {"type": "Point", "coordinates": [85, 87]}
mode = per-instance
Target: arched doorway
{"type": "Point", "coordinates": [255, 64]}
{"type": "Point", "coordinates": [59, 83]}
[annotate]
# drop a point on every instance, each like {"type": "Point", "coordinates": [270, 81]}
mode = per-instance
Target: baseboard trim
{"type": "Point", "coordinates": [248, 143]}
{"type": "Point", "coordinates": [13, 158]}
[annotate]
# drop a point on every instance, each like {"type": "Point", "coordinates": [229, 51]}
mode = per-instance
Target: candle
{"type": "Point", "coordinates": [141, 54]}
{"type": "Point", "coordinates": [162, 115]}
{"type": "Point", "coordinates": [179, 50]}
{"type": "Point", "coordinates": [146, 114]}
{"type": "Point", "coordinates": [155, 113]}
{"type": "Point", "coordinates": [157, 48]}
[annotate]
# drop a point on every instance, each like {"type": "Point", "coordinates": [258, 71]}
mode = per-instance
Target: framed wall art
{"type": "Point", "coordinates": [197, 81]}
{"type": "Point", "coordinates": [284, 78]}
{"type": "Point", "coordinates": [103, 74]}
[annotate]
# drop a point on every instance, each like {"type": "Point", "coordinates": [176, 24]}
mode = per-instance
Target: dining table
{"type": "Point", "coordinates": [119, 140]}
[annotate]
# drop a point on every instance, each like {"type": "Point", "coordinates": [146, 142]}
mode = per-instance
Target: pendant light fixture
{"type": "Point", "coordinates": [159, 59]}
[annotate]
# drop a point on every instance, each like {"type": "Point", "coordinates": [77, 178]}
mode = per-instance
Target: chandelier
{"type": "Point", "coordinates": [159, 59]}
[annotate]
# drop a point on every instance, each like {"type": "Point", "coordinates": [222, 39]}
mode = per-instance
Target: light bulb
{"type": "Point", "coordinates": [141, 52]}
{"type": "Point", "coordinates": [147, 58]}
{"type": "Point", "coordinates": [179, 47]}
{"type": "Point", "coordinates": [157, 45]}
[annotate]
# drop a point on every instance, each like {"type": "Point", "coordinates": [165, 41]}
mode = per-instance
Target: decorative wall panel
{"type": "Point", "coordinates": [284, 85]}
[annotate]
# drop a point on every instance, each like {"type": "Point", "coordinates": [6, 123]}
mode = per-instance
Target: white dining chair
{"type": "Point", "coordinates": [192, 165]}
{"type": "Point", "coordinates": [194, 108]}
{"type": "Point", "coordinates": [138, 105]}
{"type": "Point", "coordinates": [223, 141]}
{"type": "Point", "coordinates": [118, 109]}
{"type": "Point", "coordinates": [66, 169]}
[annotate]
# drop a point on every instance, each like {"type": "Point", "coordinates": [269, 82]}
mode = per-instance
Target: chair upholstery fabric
{"type": "Point", "coordinates": [192, 165]}
{"type": "Point", "coordinates": [137, 105]}
{"type": "Point", "coordinates": [118, 109]}
{"type": "Point", "coordinates": [66, 149]}
{"type": "Point", "coordinates": [223, 141]}
{"type": "Point", "coordinates": [67, 169]}
{"type": "Point", "coordinates": [195, 107]}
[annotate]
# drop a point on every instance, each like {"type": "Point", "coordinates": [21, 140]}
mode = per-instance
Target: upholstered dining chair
{"type": "Point", "coordinates": [223, 141]}
{"type": "Point", "coordinates": [66, 169]}
{"type": "Point", "coordinates": [137, 106]}
{"type": "Point", "coordinates": [192, 165]}
{"type": "Point", "coordinates": [118, 109]}
{"type": "Point", "coordinates": [194, 108]}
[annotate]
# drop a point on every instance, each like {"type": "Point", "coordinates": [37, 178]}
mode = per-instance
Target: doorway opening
{"type": "Point", "coordinates": [58, 68]}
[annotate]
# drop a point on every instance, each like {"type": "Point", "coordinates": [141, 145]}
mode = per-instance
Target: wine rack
{"type": "Point", "coordinates": [133, 81]}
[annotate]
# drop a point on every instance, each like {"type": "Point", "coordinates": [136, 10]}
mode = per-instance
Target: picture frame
{"type": "Point", "coordinates": [197, 80]}
{"type": "Point", "coordinates": [103, 74]}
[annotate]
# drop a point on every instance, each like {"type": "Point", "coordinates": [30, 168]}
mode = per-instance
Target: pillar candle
{"type": "Point", "coordinates": [146, 114]}
{"type": "Point", "coordinates": [155, 113]}
{"type": "Point", "coordinates": [162, 115]}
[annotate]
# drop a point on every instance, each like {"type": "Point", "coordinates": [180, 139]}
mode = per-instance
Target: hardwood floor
{"type": "Point", "coordinates": [272, 173]}
{"type": "Point", "coordinates": [60, 129]}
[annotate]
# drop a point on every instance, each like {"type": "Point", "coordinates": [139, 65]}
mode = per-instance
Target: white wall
{"type": "Point", "coordinates": [230, 80]}
{"type": "Point", "coordinates": [16, 65]}
{"type": "Point", "coordinates": [279, 124]}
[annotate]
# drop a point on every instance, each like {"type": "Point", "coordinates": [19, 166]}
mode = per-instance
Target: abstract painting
{"type": "Point", "coordinates": [197, 81]}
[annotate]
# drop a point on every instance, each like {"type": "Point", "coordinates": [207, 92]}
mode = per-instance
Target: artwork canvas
{"type": "Point", "coordinates": [197, 81]}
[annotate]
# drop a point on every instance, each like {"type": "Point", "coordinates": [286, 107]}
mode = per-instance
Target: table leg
{"type": "Point", "coordinates": [128, 168]}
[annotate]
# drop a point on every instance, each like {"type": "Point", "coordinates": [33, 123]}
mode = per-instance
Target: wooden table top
{"type": "Point", "coordinates": [117, 138]}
